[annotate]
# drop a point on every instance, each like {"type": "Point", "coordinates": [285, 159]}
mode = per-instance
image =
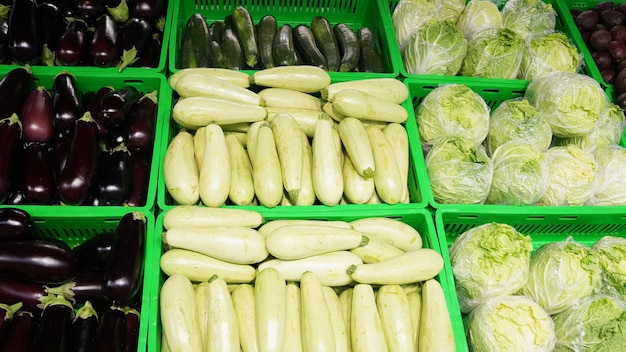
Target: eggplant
{"type": "Point", "coordinates": [5, 51]}
{"type": "Point", "coordinates": [110, 334]}
{"type": "Point", "coordinates": [76, 180]}
{"type": "Point", "coordinates": [40, 184]}
{"type": "Point", "coordinates": [94, 108]}
{"type": "Point", "coordinates": [123, 275]}
{"type": "Point", "coordinates": [14, 88]}
{"type": "Point", "coordinates": [90, 10]}
{"type": "Point", "coordinates": [115, 107]}
{"type": "Point", "coordinates": [116, 136]}
{"type": "Point", "coordinates": [21, 332]}
{"type": "Point", "coordinates": [141, 127]}
{"type": "Point", "coordinates": [148, 9]}
{"type": "Point", "coordinates": [61, 151]}
{"type": "Point", "coordinates": [151, 57]}
{"type": "Point", "coordinates": [15, 223]}
{"type": "Point", "coordinates": [140, 172]}
{"type": "Point", "coordinates": [135, 38]}
{"type": "Point", "coordinates": [88, 287]}
{"type": "Point", "coordinates": [114, 182]}
{"type": "Point", "coordinates": [73, 44]}
{"type": "Point", "coordinates": [94, 252]}
{"type": "Point", "coordinates": [131, 337]}
{"type": "Point", "coordinates": [104, 47]}
{"type": "Point", "coordinates": [10, 130]}
{"type": "Point", "coordinates": [67, 105]}
{"type": "Point", "coordinates": [24, 40]}
{"type": "Point", "coordinates": [45, 261]}
{"type": "Point", "coordinates": [55, 327]}
{"type": "Point", "coordinates": [31, 294]}
{"type": "Point", "coordinates": [6, 316]}
{"type": "Point", "coordinates": [51, 26]}
{"type": "Point", "coordinates": [84, 328]}
{"type": "Point", "coordinates": [36, 116]}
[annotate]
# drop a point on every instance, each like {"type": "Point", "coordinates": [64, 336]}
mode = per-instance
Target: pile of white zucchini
{"type": "Point", "coordinates": [299, 141]}
{"type": "Point", "coordinates": [237, 283]}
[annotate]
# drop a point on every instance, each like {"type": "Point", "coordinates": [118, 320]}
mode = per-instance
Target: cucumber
{"type": "Point", "coordinates": [369, 60]}
{"type": "Point", "coordinates": [232, 50]}
{"type": "Point", "coordinates": [326, 42]}
{"type": "Point", "coordinates": [304, 42]}
{"type": "Point", "coordinates": [266, 31]}
{"type": "Point", "coordinates": [216, 55]}
{"type": "Point", "coordinates": [193, 50]}
{"type": "Point", "coordinates": [216, 29]}
{"type": "Point", "coordinates": [246, 32]}
{"type": "Point", "coordinates": [283, 50]}
{"type": "Point", "coordinates": [348, 46]}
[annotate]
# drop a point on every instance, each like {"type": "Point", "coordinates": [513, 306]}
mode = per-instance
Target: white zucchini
{"type": "Point", "coordinates": [345, 303]}
{"type": "Point", "coordinates": [270, 226]}
{"type": "Point", "coordinates": [215, 171]}
{"type": "Point", "coordinates": [203, 313]}
{"type": "Point", "coordinates": [302, 78]}
{"type": "Point", "coordinates": [305, 118]}
{"type": "Point", "coordinates": [339, 327]}
{"type": "Point", "coordinates": [238, 78]}
{"type": "Point", "coordinates": [237, 245]}
{"type": "Point", "coordinates": [195, 112]}
{"type": "Point", "coordinates": [435, 334]}
{"type": "Point", "coordinates": [241, 190]}
{"type": "Point", "coordinates": [399, 140]}
{"type": "Point", "coordinates": [270, 292]}
{"type": "Point", "coordinates": [330, 268]}
{"type": "Point", "coordinates": [366, 327]}
{"type": "Point", "coordinates": [266, 174]}
{"type": "Point", "coordinates": [376, 250]}
{"type": "Point", "coordinates": [288, 98]}
{"type": "Point", "coordinates": [387, 177]}
{"type": "Point", "coordinates": [317, 329]}
{"type": "Point", "coordinates": [293, 319]}
{"type": "Point", "coordinates": [164, 346]}
{"type": "Point", "coordinates": [180, 172]}
{"type": "Point", "coordinates": [338, 146]}
{"type": "Point", "coordinates": [241, 127]}
{"type": "Point", "coordinates": [241, 136]}
{"type": "Point", "coordinates": [244, 305]}
{"type": "Point", "coordinates": [327, 169]}
{"type": "Point", "coordinates": [288, 141]}
{"type": "Point", "coordinates": [199, 85]}
{"type": "Point", "coordinates": [389, 89]}
{"type": "Point", "coordinates": [199, 143]}
{"type": "Point", "coordinates": [395, 315]}
{"type": "Point", "coordinates": [223, 332]}
{"type": "Point", "coordinates": [356, 188]}
{"type": "Point", "coordinates": [178, 315]}
{"type": "Point", "coordinates": [415, 307]}
{"type": "Point", "coordinates": [389, 230]}
{"type": "Point", "coordinates": [353, 103]}
{"type": "Point", "coordinates": [418, 265]}
{"type": "Point", "coordinates": [301, 241]}
{"type": "Point", "coordinates": [307, 193]}
{"type": "Point", "coordinates": [329, 109]}
{"type": "Point", "coordinates": [375, 199]}
{"type": "Point", "coordinates": [357, 145]}
{"type": "Point", "coordinates": [192, 216]}
{"type": "Point", "coordinates": [251, 138]}
{"type": "Point", "coordinates": [200, 267]}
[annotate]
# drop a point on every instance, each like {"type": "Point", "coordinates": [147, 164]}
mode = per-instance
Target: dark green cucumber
{"type": "Point", "coordinates": [266, 31]}
{"type": "Point", "coordinates": [326, 42]}
{"type": "Point", "coordinates": [283, 50]}
{"type": "Point", "coordinates": [370, 60]}
{"type": "Point", "coordinates": [232, 50]}
{"type": "Point", "coordinates": [215, 30]}
{"type": "Point", "coordinates": [246, 32]}
{"type": "Point", "coordinates": [305, 45]}
{"type": "Point", "coordinates": [194, 51]}
{"type": "Point", "coordinates": [348, 46]}
{"type": "Point", "coordinates": [216, 57]}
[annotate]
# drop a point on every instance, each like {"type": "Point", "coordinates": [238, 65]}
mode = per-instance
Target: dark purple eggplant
{"type": "Point", "coordinates": [21, 332]}
{"type": "Point", "coordinates": [14, 88]}
{"type": "Point", "coordinates": [114, 181]}
{"type": "Point", "coordinates": [45, 261]}
{"type": "Point", "coordinates": [6, 316]}
{"type": "Point", "coordinates": [55, 328]}
{"type": "Point", "coordinates": [5, 51]}
{"type": "Point", "coordinates": [104, 47]}
{"type": "Point", "coordinates": [76, 180]}
{"type": "Point", "coordinates": [51, 26]}
{"type": "Point", "coordinates": [140, 172]}
{"type": "Point", "coordinates": [110, 334]}
{"type": "Point", "coordinates": [116, 136]}
{"type": "Point", "coordinates": [123, 275]}
{"type": "Point", "coordinates": [135, 38]}
{"type": "Point", "coordinates": [39, 180]}
{"type": "Point", "coordinates": [94, 252]}
{"type": "Point", "coordinates": [61, 151]}
{"type": "Point", "coordinates": [73, 44]}
{"type": "Point", "coordinates": [118, 9]}
{"type": "Point", "coordinates": [115, 107]}
{"type": "Point", "coordinates": [94, 108]}
{"type": "Point", "coordinates": [84, 328]}
{"type": "Point", "coordinates": [15, 223]}
{"type": "Point", "coordinates": [90, 10]}
{"type": "Point", "coordinates": [67, 102]}
{"type": "Point", "coordinates": [131, 340]}
{"type": "Point", "coordinates": [148, 9]}
{"type": "Point", "coordinates": [31, 294]}
{"type": "Point", "coordinates": [151, 57]}
{"type": "Point", "coordinates": [88, 287]}
{"type": "Point", "coordinates": [140, 130]}
{"type": "Point", "coordinates": [36, 116]}
{"type": "Point", "coordinates": [10, 130]}
{"type": "Point", "coordinates": [24, 40]}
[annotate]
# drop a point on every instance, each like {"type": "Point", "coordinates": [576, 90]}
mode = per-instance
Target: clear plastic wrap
{"type": "Point", "coordinates": [610, 180]}
{"type": "Point", "coordinates": [611, 252]}
{"type": "Point", "coordinates": [477, 16]}
{"type": "Point", "coordinates": [529, 18]}
{"type": "Point", "coordinates": [493, 53]}
{"type": "Point", "coordinates": [607, 131]}
{"type": "Point", "coordinates": [553, 52]}
{"type": "Point", "coordinates": [436, 48]}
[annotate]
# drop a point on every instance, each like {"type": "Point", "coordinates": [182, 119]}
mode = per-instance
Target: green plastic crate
{"type": "Point", "coordinates": [91, 81]}
{"type": "Point", "coordinates": [418, 188]}
{"type": "Point", "coordinates": [420, 219]}
{"type": "Point", "coordinates": [74, 228]}
{"type": "Point", "coordinates": [543, 226]}
{"type": "Point", "coordinates": [355, 13]}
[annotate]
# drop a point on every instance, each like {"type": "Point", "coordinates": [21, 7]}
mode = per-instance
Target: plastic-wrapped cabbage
{"type": "Point", "coordinates": [520, 174]}
{"type": "Point", "coordinates": [511, 324]}
{"type": "Point", "coordinates": [487, 261]}
{"type": "Point", "coordinates": [437, 48]}
{"type": "Point", "coordinates": [610, 180]}
{"type": "Point", "coordinates": [452, 110]}
{"type": "Point", "coordinates": [571, 102]}
{"type": "Point", "coordinates": [515, 120]}
{"type": "Point", "coordinates": [549, 53]}
{"type": "Point", "coordinates": [611, 251]}
{"type": "Point", "coordinates": [493, 53]}
{"type": "Point", "coordinates": [593, 324]}
{"type": "Point", "coordinates": [459, 171]}
{"type": "Point", "coordinates": [562, 273]}
{"type": "Point", "coordinates": [607, 131]}
{"type": "Point", "coordinates": [529, 18]}
{"type": "Point", "coordinates": [572, 173]}
{"type": "Point", "coordinates": [477, 16]}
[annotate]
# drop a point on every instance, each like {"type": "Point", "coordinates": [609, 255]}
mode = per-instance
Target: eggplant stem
{"type": "Point", "coordinates": [48, 57]}
{"type": "Point", "coordinates": [128, 58]}
{"type": "Point", "coordinates": [152, 96]}
{"type": "Point", "coordinates": [119, 12]}
{"type": "Point", "coordinates": [64, 290]}
{"type": "Point", "coordinates": [86, 311]}
{"type": "Point", "coordinates": [10, 310]}
{"type": "Point", "coordinates": [4, 12]}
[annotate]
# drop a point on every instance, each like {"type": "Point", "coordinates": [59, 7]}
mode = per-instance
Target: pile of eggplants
{"type": "Point", "coordinates": [57, 298]}
{"type": "Point", "coordinates": [62, 145]}
{"type": "Point", "coordinates": [101, 33]}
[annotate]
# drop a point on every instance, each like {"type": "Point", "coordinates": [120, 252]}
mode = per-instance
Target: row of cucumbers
{"type": "Point", "coordinates": [238, 43]}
